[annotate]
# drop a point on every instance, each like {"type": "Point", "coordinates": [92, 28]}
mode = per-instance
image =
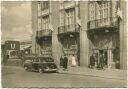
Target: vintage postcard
{"type": "Point", "coordinates": [64, 44]}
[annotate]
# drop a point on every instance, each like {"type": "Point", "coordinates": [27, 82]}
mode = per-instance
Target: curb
{"type": "Point", "coordinates": [91, 75]}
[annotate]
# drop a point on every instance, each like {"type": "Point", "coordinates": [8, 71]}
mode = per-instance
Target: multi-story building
{"type": "Point", "coordinates": [57, 31]}
{"type": "Point", "coordinates": [104, 31]}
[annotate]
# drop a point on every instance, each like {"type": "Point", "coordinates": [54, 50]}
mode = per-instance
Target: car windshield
{"type": "Point", "coordinates": [46, 59]}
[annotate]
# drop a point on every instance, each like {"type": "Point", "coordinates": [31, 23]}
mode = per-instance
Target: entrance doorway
{"type": "Point", "coordinates": [105, 53]}
{"type": "Point", "coordinates": [97, 53]}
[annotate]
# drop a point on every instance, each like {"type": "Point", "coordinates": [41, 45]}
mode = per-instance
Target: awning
{"type": "Point", "coordinates": [26, 47]}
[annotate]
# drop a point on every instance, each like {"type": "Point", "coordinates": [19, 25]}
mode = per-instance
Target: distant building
{"type": "Point", "coordinates": [12, 48]}
{"type": "Point", "coordinates": [26, 47]}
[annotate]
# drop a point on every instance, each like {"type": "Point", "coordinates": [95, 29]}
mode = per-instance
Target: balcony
{"type": "Point", "coordinates": [69, 4]}
{"type": "Point", "coordinates": [107, 23]}
{"type": "Point", "coordinates": [44, 33]}
{"type": "Point", "coordinates": [45, 12]}
{"type": "Point", "coordinates": [73, 28]}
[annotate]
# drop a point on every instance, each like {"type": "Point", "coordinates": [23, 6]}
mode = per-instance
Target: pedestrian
{"type": "Point", "coordinates": [101, 61]}
{"type": "Point", "coordinates": [116, 57]}
{"type": "Point", "coordinates": [65, 61]}
{"type": "Point", "coordinates": [73, 61]}
{"type": "Point", "coordinates": [96, 61]}
{"type": "Point", "coordinates": [92, 61]}
{"type": "Point", "coordinates": [61, 61]}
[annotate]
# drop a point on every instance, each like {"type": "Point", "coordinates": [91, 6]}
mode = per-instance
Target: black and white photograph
{"type": "Point", "coordinates": [64, 44]}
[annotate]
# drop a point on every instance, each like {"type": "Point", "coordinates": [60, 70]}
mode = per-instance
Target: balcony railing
{"type": "Point", "coordinates": [68, 28]}
{"type": "Point", "coordinates": [45, 11]}
{"type": "Point", "coordinates": [69, 4]}
{"type": "Point", "coordinates": [103, 23]}
{"type": "Point", "coordinates": [45, 32]}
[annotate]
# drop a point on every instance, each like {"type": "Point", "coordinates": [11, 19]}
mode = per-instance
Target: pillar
{"type": "Point", "coordinates": [123, 36]}
{"type": "Point", "coordinates": [34, 25]}
{"type": "Point", "coordinates": [56, 48]}
{"type": "Point", "coordinates": [84, 42]}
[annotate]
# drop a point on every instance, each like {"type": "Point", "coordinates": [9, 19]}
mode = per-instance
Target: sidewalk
{"type": "Point", "coordinates": [107, 73]}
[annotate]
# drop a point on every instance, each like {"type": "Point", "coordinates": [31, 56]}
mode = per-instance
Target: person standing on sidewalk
{"type": "Point", "coordinates": [65, 61]}
{"type": "Point", "coordinates": [61, 61]}
{"type": "Point", "coordinates": [73, 61]}
{"type": "Point", "coordinates": [101, 63]}
{"type": "Point", "coordinates": [92, 61]}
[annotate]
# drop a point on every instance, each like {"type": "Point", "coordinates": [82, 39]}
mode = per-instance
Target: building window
{"type": "Point", "coordinates": [99, 12]}
{"type": "Point", "coordinates": [61, 18]}
{"type": "Point", "coordinates": [39, 23]}
{"type": "Point", "coordinates": [45, 22]}
{"type": "Point", "coordinates": [70, 16]}
{"type": "Point", "coordinates": [39, 9]}
{"type": "Point", "coordinates": [104, 10]}
{"type": "Point", "coordinates": [45, 5]}
{"type": "Point", "coordinates": [91, 11]}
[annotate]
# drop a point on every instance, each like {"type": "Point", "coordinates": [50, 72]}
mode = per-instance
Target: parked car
{"type": "Point", "coordinates": [41, 64]}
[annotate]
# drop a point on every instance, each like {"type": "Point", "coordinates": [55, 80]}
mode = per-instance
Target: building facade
{"type": "Point", "coordinates": [104, 31]}
{"type": "Point", "coordinates": [45, 20]}
{"type": "Point", "coordinates": [57, 31]}
{"type": "Point", "coordinates": [11, 48]}
{"type": "Point", "coordinates": [69, 29]}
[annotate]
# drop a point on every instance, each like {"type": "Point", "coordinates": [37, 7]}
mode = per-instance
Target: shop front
{"type": "Point", "coordinates": [106, 43]}
{"type": "Point", "coordinates": [46, 48]}
{"type": "Point", "coordinates": [45, 43]}
{"type": "Point", "coordinates": [70, 45]}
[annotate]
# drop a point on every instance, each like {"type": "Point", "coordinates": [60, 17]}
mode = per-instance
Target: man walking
{"type": "Point", "coordinates": [92, 61]}
{"type": "Point", "coordinates": [101, 63]}
{"type": "Point", "coordinates": [65, 62]}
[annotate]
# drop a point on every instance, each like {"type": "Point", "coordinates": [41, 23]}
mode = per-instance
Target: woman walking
{"type": "Point", "coordinates": [73, 61]}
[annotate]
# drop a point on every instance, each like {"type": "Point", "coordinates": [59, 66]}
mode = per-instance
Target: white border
{"type": "Point", "coordinates": [59, 0]}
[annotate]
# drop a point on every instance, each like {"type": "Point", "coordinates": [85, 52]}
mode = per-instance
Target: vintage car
{"type": "Point", "coordinates": [41, 64]}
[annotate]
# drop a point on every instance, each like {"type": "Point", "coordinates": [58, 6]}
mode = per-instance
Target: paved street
{"type": "Point", "coordinates": [18, 77]}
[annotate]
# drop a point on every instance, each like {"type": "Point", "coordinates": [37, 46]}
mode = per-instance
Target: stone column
{"type": "Point", "coordinates": [34, 24]}
{"type": "Point", "coordinates": [56, 48]}
{"type": "Point", "coordinates": [123, 36]}
{"type": "Point", "coordinates": [84, 42]}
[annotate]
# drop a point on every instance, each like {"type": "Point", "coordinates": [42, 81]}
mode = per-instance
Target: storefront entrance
{"type": "Point", "coordinates": [46, 47]}
{"type": "Point", "coordinates": [111, 57]}
{"type": "Point", "coordinates": [96, 53]}
{"type": "Point", "coordinates": [70, 46]}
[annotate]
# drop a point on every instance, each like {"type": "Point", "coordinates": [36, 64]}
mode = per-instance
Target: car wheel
{"type": "Point", "coordinates": [40, 70]}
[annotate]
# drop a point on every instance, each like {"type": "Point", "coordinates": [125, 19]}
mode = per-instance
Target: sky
{"type": "Point", "coordinates": [16, 20]}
